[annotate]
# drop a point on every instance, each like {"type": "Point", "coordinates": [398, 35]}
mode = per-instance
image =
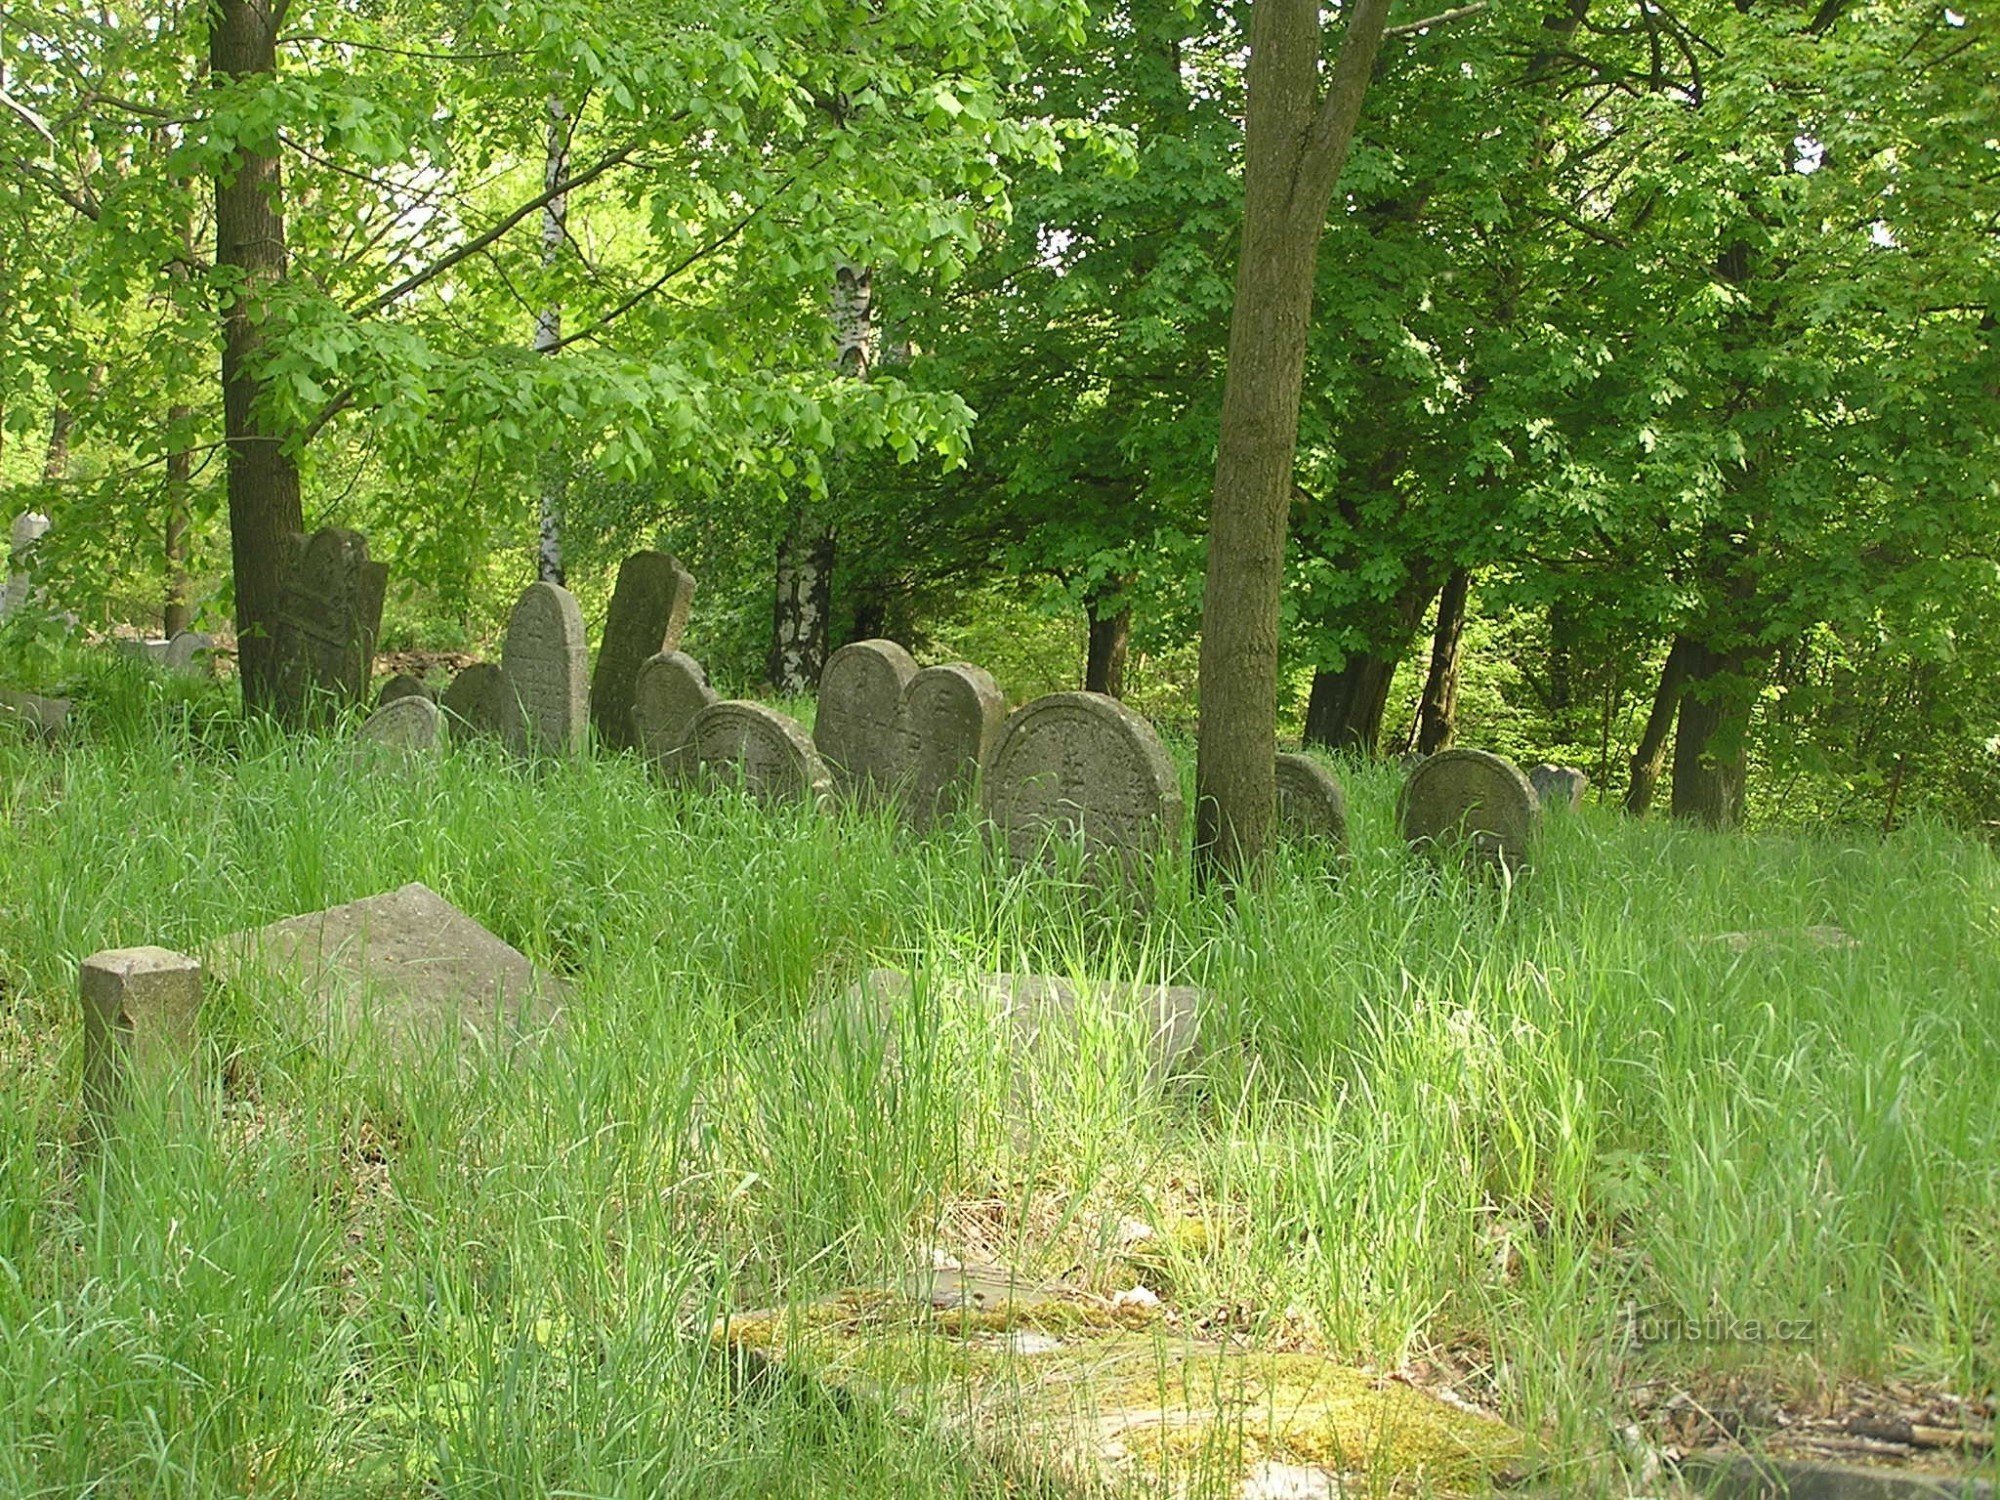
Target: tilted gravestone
{"type": "Point", "coordinates": [403, 685]}
{"type": "Point", "coordinates": [473, 701]}
{"type": "Point", "coordinates": [1311, 802]}
{"type": "Point", "coordinates": [329, 615]}
{"type": "Point", "coordinates": [670, 690]}
{"type": "Point", "coordinates": [546, 700]}
{"type": "Point", "coordinates": [1558, 786]}
{"type": "Point", "coordinates": [1081, 765]}
{"type": "Point", "coordinates": [764, 752]}
{"type": "Point", "coordinates": [649, 610]}
{"type": "Point", "coordinates": [887, 729]}
{"type": "Point", "coordinates": [404, 969]}
{"type": "Point", "coordinates": [1472, 798]}
{"type": "Point", "coordinates": [411, 723]}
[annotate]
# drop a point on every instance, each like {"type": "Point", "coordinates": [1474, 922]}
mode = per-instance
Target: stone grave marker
{"type": "Point", "coordinates": [759, 749]}
{"type": "Point", "coordinates": [1311, 802]}
{"type": "Point", "coordinates": [405, 970]}
{"type": "Point", "coordinates": [412, 724]}
{"type": "Point", "coordinates": [403, 685]}
{"type": "Point", "coordinates": [139, 1009]}
{"type": "Point", "coordinates": [43, 718]}
{"type": "Point", "coordinates": [329, 615]}
{"type": "Point", "coordinates": [546, 699]}
{"type": "Point", "coordinates": [26, 529]}
{"type": "Point", "coordinates": [670, 690]}
{"type": "Point", "coordinates": [1476, 798]}
{"type": "Point", "coordinates": [473, 702]}
{"type": "Point", "coordinates": [189, 653]}
{"type": "Point", "coordinates": [1072, 764]}
{"type": "Point", "coordinates": [1558, 786]}
{"type": "Point", "coordinates": [649, 610]}
{"type": "Point", "coordinates": [887, 729]}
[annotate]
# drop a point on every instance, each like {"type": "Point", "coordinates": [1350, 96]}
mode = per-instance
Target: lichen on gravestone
{"type": "Point", "coordinates": [648, 614]}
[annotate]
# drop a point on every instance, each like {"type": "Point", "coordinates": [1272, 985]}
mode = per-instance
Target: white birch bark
{"type": "Point", "coordinates": [548, 331]}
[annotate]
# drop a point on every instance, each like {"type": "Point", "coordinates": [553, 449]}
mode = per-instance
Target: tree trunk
{"type": "Point", "coordinates": [180, 473]}
{"type": "Point", "coordinates": [1110, 640]}
{"type": "Point", "coordinates": [1295, 143]}
{"type": "Point", "coordinates": [1437, 714]}
{"type": "Point", "coordinates": [1711, 747]}
{"type": "Point", "coordinates": [55, 464]}
{"type": "Point", "coordinates": [548, 334]}
{"type": "Point", "coordinates": [1345, 709]}
{"type": "Point", "coordinates": [1649, 757]}
{"type": "Point", "coordinates": [263, 481]}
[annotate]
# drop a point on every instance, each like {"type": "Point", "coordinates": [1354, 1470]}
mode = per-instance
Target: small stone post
{"type": "Point", "coordinates": [139, 1007]}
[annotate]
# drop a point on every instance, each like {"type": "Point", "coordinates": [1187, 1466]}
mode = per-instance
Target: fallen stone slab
{"type": "Point", "coordinates": [1043, 1015]}
{"type": "Point", "coordinates": [406, 967]}
{"type": "Point", "coordinates": [1743, 1476]}
{"type": "Point", "coordinates": [1047, 1380]}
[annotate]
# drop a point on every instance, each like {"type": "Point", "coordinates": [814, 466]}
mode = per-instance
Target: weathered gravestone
{"type": "Point", "coordinates": [1476, 799]}
{"type": "Point", "coordinates": [403, 685]}
{"type": "Point", "coordinates": [546, 700]}
{"type": "Point", "coordinates": [1081, 765]}
{"type": "Point", "coordinates": [670, 690]}
{"type": "Point", "coordinates": [189, 653]}
{"type": "Point", "coordinates": [1311, 802]}
{"type": "Point", "coordinates": [329, 615]}
{"type": "Point", "coordinates": [43, 718]}
{"type": "Point", "coordinates": [649, 610]}
{"type": "Point", "coordinates": [474, 702]}
{"type": "Point", "coordinates": [762, 751]}
{"type": "Point", "coordinates": [888, 729]}
{"type": "Point", "coordinates": [139, 1009]}
{"type": "Point", "coordinates": [405, 970]}
{"type": "Point", "coordinates": [413, 724]}
{"type": "Point", "coordinates": [1558, 786]}
{"type": "Point", "coordinates": [26, 529]}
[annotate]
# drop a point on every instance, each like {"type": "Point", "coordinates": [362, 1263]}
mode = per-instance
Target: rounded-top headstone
{"type": "Point", "coordinates": [670, 690]}
{"type": "Point", "coordinates": [473, 699]}
{"type": "Point", "coordinates": [29, 527]}
{"type": "Point", "coordinates": [402, 685]}
{"type": "Point", "coordinates": [546, 701]}
{"type": "Point", "coordinates": [1081, 764]}
{"type": "Point", "coordinates": [1311, 802]}
{"type": "Point", "coordinates": [858, 727]}
{"type": "Point", "coordinates": [1558, 786]}
{"type": "Point", "coordinates": [1474, 798]}
{"type": "Point", "coordinates": [952, 715]}
{"type": "Point", "coordinates": [189, 652]}
{"type": "Point", "coordinates": [412, 722]}
{"type": "Point", "coordinates": [762, 751]}
{"type": "Point", "coordinates": [648, 614]}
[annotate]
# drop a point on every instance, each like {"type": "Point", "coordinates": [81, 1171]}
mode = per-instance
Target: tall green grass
{"type": "Point", "coordinates": [1429, 1115]}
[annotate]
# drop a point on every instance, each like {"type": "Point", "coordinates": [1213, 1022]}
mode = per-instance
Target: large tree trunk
{"type": "Point", "coordinates": [55, 462]}
{"type": "Point", "coordinates": [1110, 642]}
{"type": "Point", "coordinates": [1295, 143]}
{"type": "Point", "coordinates": [1649, 757]}
{"type": "Point", "coordinates": [180, 474]}
{"type": "Point", "coordinates": [548, 334]}
{"type": "Point", "coordinates": [1711, 746]}
{"type": "Point", "coordinates": [806, 550]}
{"type": "Point", "coordinates": [1345, 709]}
{"type": "Point", "coordinates": [264, 509]}
{"type": "Point", "coordinates": [1437, 714]}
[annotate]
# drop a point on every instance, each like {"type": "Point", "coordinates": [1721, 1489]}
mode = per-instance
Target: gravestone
{"type": "Point", "coordinates": [670, 690]}
{"type": "Point", "coordinates": [329, 615]}
{"type": "Point", "coordinates": [403, 969]}
{"type": "Point", "coordinates": [1311, 803]}
{"type": "Point", "coordinates": [27, 528]}
{"type": "Point", "coordinates": [403, 685]}
{"type": "Point", "coordinates": [1474, 798]}
{"type": "Point", "coordinates": [139, 1008]}
{"type": "Point", "coordinates": [1081, 764]}
{"type": "Point", "coordinates": [43, 718]}
{"type": "Point", "coordinates": [546, 700]}
{"type": "Point", "coordinates": [764, 752]}
{"type": "Point", "coordinates": [412, 723]}
{"type": "Point", "coordinates": [887, 729]}
{"type": "Point", "coordinates": [473, 702]}
{"type": "Point", "coordinates": [189, 653]}
{"type": "Point", "coordinates": [649, 610]}
{"type": "Point", "coordinates": [1558, 786]}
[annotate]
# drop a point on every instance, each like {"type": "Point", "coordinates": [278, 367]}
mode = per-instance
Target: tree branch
{"type": "Point", "coordinates": [473, 246]}
{"type": "Point", "coordinates": [1340, 109]}
{"type": "Point", "coordinates": [1408, 28]}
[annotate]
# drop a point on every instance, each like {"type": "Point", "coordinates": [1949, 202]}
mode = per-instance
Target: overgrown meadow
{"type": "Point", "coordinates": [1512, 1134]}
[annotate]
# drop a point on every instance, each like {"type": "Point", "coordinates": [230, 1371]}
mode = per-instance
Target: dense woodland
{"type": "Point", "coordinates": [1649, 385]}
